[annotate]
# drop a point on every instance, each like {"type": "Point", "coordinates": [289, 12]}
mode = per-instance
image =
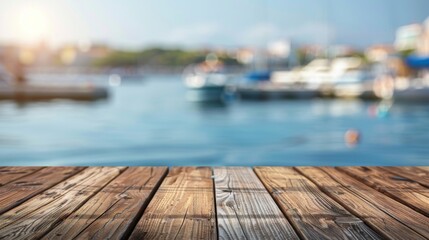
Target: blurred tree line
{"type": "Point", "coordinates": [158, 57]}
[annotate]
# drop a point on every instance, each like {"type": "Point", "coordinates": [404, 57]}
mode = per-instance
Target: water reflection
{"type": "Point", "coordinates": [210, 106]}
{"type": "Point", "coordinates": [139, 125]}
{"type": "Point", "coordinates": [338, 107]}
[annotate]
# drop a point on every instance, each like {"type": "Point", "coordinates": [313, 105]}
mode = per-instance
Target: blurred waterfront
{"type": "Point", "coordinates": [246, 83]}
{"type": "Point", "coordinates": [149, 122]}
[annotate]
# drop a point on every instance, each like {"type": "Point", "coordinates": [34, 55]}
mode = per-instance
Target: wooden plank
{"type": "Point", "coordinates": [20, 190]}
{"type": "Point", "coordinates": [113, 212]}
{"type": "Point", "coordinates": [391, 220]}
{"type": "Point", "coordinates": [10, 174]}
{"type": "Point", "coordinates": [245, 210]}
{"type": "Point", "coordinates": [408, 216]}
{"type": "Point", "coordinates": [415, 174]}
{"type": "Point", "coordinates": [40, 214]}
{"type": "Point", "coordinates": [407, 192]}
{"type": "Point", "coordinates": [313, 214]}
{"type": "Point", "coordinates": [182, 208]}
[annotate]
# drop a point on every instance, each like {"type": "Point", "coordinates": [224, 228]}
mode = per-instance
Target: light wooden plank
{"type": "Point", "coordinates": [415, 174]}
{"type": "Point", "coordinates": [313, 214]}
{"type": "Point", "coordinates": [182, 208]}
{"type": "Point", "coordinates": [407, 192]}
{"type": "Point", "coordinates": [113, 212]}
{"type": "Point", "coordinates": [245, 210]}
{"type": "Point", "coordinates": [40, 214]}
{"type": "Point", "coordinates": [20, 190]}
{"type": "Point", "coordinates": [10, 174]}
{"type": "Point", "coordinates": [389, 218]}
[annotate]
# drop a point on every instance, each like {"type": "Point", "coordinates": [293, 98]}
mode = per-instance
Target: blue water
{"type": "Point", "coordinates": [151, 123]}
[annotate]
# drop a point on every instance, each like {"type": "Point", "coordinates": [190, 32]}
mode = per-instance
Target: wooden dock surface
{"type": "Point", "coordinates": [214, 203]}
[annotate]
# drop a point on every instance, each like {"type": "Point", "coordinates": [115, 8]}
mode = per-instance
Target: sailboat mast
{"type": "Point", "coordinates": [329, 15]}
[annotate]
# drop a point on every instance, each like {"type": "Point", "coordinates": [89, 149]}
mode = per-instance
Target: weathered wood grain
{"type": "Point", "coordinates": [40, 214]}
{"type": "Point", "coordinates": [414, 173]}
{"type": "Point", "coordinates": [401, 189]}
{"type": "Point", "coordinates": [10, 174]}
{"type": "Point", "coordinates": [20, 190]}
{"type": "Point", "coordinates": [245, 210]}
{"type": "Point", "coordinates": [313, 214]}
{"type": "Point", "coordinates": [182, 208]}
{"type": "Point", "coordinates": [380, 212]}
{"type": "Point", "coordinates": [113, 212]}
{"type": "Point", "coordinates": [320, 203]}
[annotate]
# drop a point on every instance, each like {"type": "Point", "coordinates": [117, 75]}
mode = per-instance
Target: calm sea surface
{"type": "Point", "coordinates": [150, 122]}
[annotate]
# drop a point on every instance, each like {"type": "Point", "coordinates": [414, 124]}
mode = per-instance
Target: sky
{"type": "Point", "coordinates": [227, 23]}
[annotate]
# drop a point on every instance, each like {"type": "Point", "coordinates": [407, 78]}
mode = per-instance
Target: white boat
{"type": "Point", "coordinates": [206, 82]}
{"type": "Point", "coordinates": [206, 86]}
{"type": "Point", "coordinates": [341, 77]}
{"type": "Point", "coordinates": [414, 89]}
{"type": "Point", "coordinates": [356, 83]}
{"type": "Point", "coordinates": [314, 74]}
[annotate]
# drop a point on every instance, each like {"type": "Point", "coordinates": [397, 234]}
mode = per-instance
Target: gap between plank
{"type": "Point", "coordinates": [58, 221]}
{"type": "Point", "coordinates": [345, 205]}
{"type": "Point", "coordinates": [140, 213]}
{"type": "Point", "coordinates": [299, 234]}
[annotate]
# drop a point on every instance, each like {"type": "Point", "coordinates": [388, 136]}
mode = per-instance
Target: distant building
{"type": "Point", "coordinates": [280, 49]}
{"type": "Point", "coordinates": [407, 37]}
{"type": "Point", "coordinates": [423, 42]}
{"type": "Point", "coordinates": [245, 55]}
{"type": "Point", "coordinates": [280, 55]}
{"type": "Point", "coordinates": [341, 51]}
{"type": "Point", "coordinates": [414, 37]}
{"type": "Point", "coordinates": [379, 52]}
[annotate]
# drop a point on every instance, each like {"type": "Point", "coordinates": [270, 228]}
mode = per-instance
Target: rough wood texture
{"type": "Point", "coordinates": [402, 189]}
{"type": "Point", "coordinates": [113, 212]}
{"type": "Point", "coordinates": [182, 208]}
{"type": "Point", "coordinates": [108, 202]}
{"type": "Point", "coordinates": [414, 173]}
{"type": "Point", "coordinates": [40, 214]}
{"type": "Point", "coordinates": [313, 213]}
{"type": "Point", "coordinates": [9, 174]}
{"type": "Point", "coordinates": [377, 210]}
{"type": "Point", "coordinates": [245, 210]}
{"type": "Point", "coordinates": [18, 191]}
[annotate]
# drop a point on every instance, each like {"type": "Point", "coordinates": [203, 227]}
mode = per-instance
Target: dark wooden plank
{"type": "Point", "coordinates": [391, 220]}
{"type": "Point", "coordinates": [10, 174]}
{"type": "Point", "coordinates": [113, 212]}
{"type": "Point", "coordinates": [407, 192]}
{"type": "Point", "coordinates": [182, 208]}
{"type": "Point", "coordinates": [415, 174]}
{"type": "Point", "coordinates": [41, 213]}
{"type": "Point", "coordinates": [313, 214]}
{"type": "Point", "coordinates": [245, 210]}
{"type": "Point", "coordinates": [20, 190]}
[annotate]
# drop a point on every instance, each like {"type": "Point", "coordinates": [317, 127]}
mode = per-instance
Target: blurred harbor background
{"type": "Point", "coordinates": [151, 123]}
{"type": "Point", "coordinates": [261, 83]}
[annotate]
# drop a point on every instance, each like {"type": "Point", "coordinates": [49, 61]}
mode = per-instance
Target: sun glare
{"type": "Point", "coordinates": [33, 24]}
